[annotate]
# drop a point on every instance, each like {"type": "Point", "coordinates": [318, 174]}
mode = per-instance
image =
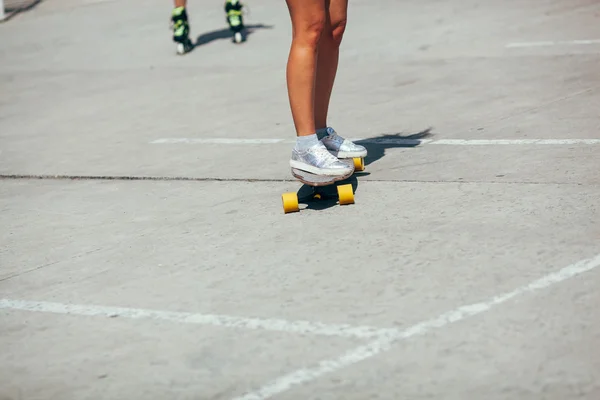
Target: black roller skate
{"type": "Point", "coordinates": [233, 8]}
{"type": "Point", "coordinates": [181, 30]}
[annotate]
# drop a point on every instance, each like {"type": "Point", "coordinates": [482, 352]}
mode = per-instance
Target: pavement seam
{"type": "Point", "coordinates": [213, 179]}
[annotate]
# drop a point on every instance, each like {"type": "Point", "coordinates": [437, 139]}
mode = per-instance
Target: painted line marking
{"type": "Point", "coordinates": [386, 338]}
{"type": "Point", "coordinates": [554, 43]}
{"type": "Point", "coordinates": [484, 142]}
{"type": "Point", "coordinates": [397, 141]}
{"type": "Point", "coordinates": [386, 341]}
{"type": "Point", "coordinates": [97, 1]}
{"type": "Point", "coordinates": [217, 141]}
{"type": "Point", "coordinates": [279, 325]}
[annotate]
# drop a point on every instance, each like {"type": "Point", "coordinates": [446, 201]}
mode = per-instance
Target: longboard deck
{"type": "Point", "coordinates": [321, 180]}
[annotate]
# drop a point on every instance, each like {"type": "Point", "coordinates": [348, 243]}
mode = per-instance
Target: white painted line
{"type": "Point", "coordinates": [494, 142]}
{"type": "Point", "coordinates": [218, 141]}
{"type": "Point", "coordinates": [279, 325]}
{"type": "Point", "coordinates": [554, 43]}
{"type": "Point", "coordinates": [390, 141]}
{"type": "Point", "coordinates": [97, 1]}
{"type": "Point", "coordinates": [385, 342]}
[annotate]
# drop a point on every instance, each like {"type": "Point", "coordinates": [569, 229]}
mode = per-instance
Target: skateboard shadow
{"type": "Point", "coordinates": [226, 33]}
{"type": "Point", "coordinates": [376, 146]}
{"type": "Point", "coordinates": [330, 196]}
{"type": "Point", "coordinates": [376, 150]}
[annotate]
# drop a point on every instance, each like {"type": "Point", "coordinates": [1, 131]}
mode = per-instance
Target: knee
{"type": "Point", "coordinates": [309, 34]}
{"type": "Point", "coordinates": [337, 31]}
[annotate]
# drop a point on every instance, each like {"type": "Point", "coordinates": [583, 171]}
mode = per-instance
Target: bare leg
{"type": "Point", "coordinates": [309, 154]}
{"type": "Point", "coordinates": [308, 21]}
{"type": "Point", "coordinates": [327, 64]}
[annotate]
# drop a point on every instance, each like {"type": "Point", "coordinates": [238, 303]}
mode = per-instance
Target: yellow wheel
{"type": "Point", "coordinates": [290, 202]}
{"type": "Point", "coordinates": [359, 164]}
{"type": "Point", "coordinates": [345, 194]}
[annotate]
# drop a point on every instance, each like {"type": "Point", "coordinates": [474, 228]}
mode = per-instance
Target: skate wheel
{"type": "Point", "coordinates": [290, 202]}
{"type": "Point", "coordinates": [345, 194]}
{"type": "Point", "coordinates": [237, 37]}
{"type": "Point", "coordinates": [359, 164]}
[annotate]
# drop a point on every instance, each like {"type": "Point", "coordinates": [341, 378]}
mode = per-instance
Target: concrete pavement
{"type": "Point", "coordinates": [138, 262]}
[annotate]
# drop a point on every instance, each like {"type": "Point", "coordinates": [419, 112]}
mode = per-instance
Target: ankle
{"type": "Point", "coordinates": [322, 132]}
{"type": "Point", "coordinates": [304, 143]}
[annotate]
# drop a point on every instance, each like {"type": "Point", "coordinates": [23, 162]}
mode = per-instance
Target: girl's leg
{"type": "Point", "coordinates": [308, 21]}
{"type": "Point", "coordinates": [309, 154]}
{"type": "Point", "coordinates": [329, 50]}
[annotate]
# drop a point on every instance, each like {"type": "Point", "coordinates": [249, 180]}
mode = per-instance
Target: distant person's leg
{"type": "Point", "coordinates": [233, 9]}
{"type": "Point", "coordinates": [181, 28]}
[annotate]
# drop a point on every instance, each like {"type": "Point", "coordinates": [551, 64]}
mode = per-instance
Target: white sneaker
{"type": "Point", "coordinates": [319, 161]}
{"type": "Point", "coordinates": [342, 148]}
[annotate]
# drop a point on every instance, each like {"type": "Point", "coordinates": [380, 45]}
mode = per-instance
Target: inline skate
{"type": "Point", "coordinates": [233, 9]}
{"type": "Point", "coordinates": [181, 30]}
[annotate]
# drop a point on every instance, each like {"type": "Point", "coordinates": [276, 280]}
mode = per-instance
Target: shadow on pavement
{"type": "Point", "coordinates": [12, 8]}
{"type": "Point", "coordinates": [226, 33]}
{"type": "Point", "coordinates": [376, 148]}
{"type": "Point", "coordinates": [329, 194]}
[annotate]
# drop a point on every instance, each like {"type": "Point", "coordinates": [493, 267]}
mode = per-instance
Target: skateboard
{"type": "Point", "coordinates": [345, 193]}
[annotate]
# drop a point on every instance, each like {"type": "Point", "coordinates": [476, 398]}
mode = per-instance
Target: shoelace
{"type": "Point", "coordinates": [336, 138]}
{"type": "Point", "coordinates": [321, 151]}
